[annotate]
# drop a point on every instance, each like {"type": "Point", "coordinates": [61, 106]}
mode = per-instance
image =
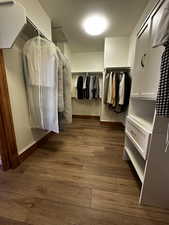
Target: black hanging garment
{"type": "Point", "coordinates": [127, 89]}
{"type": "Point", "coordinates": [80, 93]}
{"type": "Point", "coordinates": [87, 94]}
{"type": "Point", "coordinates": [162, 103]}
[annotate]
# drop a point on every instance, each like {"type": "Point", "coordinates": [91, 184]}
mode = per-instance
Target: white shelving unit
{"type": "Point", "coordinates": [136, 159]}
{"type": "Point", "coordinates": [145, 139]}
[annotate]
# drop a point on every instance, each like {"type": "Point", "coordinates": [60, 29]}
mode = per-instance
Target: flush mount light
{"type": "Point", "coordinates": [95, 25]}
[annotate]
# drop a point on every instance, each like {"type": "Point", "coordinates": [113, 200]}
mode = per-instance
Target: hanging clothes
{"type": "Point", "coordinates": [80, 87]}
{"type": "Point", "coordinates": [117, 91]}
{"type": "Point", "coordinates": [113, 102]}
{"type": "Point", "coordinates": [91, 87]}
{"type": "Point", "coordinates": [106, 86]}
{"type": "Point", "coordinates": [122, 90]}
{"type": "Point", "coordinates": [95, 88]}
{"type": "Point", "coordinates": [61, 104]}
{"type": "Point", "coordinates": [162, 39]}
{"type": "Point", "coordinates": [87, 92]}
{"type": "Point", "coordinates": [41, 66]}
{"type": "Point", "coordinates": [74, 87]}
{"type": "Point", "coordinates": [67, 82]}
{"type": "Point", "coordinates": [100, 88]}
{"type": "Point", "coordinates": [162, 103]}
{"type": "Point", "coordinates": [109, 94]}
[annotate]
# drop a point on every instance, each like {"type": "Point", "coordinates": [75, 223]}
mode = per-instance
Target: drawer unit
{"type": "Point", "coordinates": [139, 136]}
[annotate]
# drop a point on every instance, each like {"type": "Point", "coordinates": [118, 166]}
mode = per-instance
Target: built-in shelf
{"type": "Point", "coordinates": [144, 97]}
{"type": "Point", "coordinates": [139, 167]}
{"type": "Point", "coordinates": [136, 159]}
{"type": "Point", "coordinates": [141, 122]}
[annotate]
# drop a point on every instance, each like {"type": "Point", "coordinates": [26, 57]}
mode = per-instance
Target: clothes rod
{"type": "Point", "coordinates": [118, 69]}
{"type": "Point", "coordinates": [35, 27]}
{"type": "Point", "coordinates": [7, 2]}
{"type": "Point", "coordinates": [89, 73]}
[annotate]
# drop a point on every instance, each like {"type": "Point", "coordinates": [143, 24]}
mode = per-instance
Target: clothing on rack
{"type": "Point", "coordinates": [45, 82]}
{"type": "Point", "coordinates": [109, 94]}
{"type": "Point", "coordinates": [162, 103]}
{"type": "Point", "coordinates": [67, 82]}
{"type": "Point", "coordinates": [80, 93]}
{"type": "Point", "coordinates": [74, 86]}
{"type": "Point", "coordinates": [162, 39]}
{"type": "Point", "coordinates": [117, 90]}
{"type": "Point", "coordinates": [88, 87]}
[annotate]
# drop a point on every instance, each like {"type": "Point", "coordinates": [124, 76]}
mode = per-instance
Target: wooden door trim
{"type": "Point", "coordinates": [8, 146]}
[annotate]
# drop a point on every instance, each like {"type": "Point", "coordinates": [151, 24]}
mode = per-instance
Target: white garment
{"type": "Point", "coordinates": [109, 93]}
{"type": "Point", "coordinates": [41, 74]}
{"type": "Point", "coordinates": [61, 58]}
{"type": "Point", "coordinates": [84, 82]}
{"type": "Point", "coordinates": [67, 82]}
{"type": "Point", "coordinates": [74, 86]}
{"type": "Point", "coordinates": [162, 35]}
{"type": "Point", "coordinates": [100, 87]}
{"type": "Point", "coordinates": [122, 90]}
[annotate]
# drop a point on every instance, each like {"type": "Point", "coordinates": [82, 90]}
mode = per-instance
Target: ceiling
{"type": "Point", "coordinates": [69, 14]}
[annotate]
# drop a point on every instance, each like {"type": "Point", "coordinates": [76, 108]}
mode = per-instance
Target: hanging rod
{"type": "Point", "coordinates": [89, 73]}
{"type": "Point", "coordinates": [7, 2]}
{"type": "Point", "coordinates": [118, 69]}
{"type": "Point", "coordinates": [36, 28]}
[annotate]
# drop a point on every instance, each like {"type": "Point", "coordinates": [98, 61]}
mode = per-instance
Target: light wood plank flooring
{"type": "Point", "coordinates": [76, 178]}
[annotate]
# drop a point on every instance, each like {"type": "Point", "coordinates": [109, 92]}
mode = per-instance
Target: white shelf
{"type": "Point", "coordinates": [141, 122]}
{"type": "Point", "coordinates": [144, 97]}
{"type": "Point", "coordinates": [137, 162]}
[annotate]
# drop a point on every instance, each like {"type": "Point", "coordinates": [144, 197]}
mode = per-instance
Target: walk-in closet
{"type": "Point", "coordinates": [84, 112]}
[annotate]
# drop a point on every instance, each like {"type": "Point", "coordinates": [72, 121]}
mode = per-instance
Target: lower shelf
{"type": "Point", "coordinates": [137, 161]}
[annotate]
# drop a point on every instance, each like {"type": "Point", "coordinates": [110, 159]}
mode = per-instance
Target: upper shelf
{"type": "Point", "coordinates": [12, 20]}
{"type": "Point", "coordinates": [144, 97]}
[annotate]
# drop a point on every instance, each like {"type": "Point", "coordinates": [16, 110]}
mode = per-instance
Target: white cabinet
{"type": "Point", "coordinates": [153, 66]}
{"type": "Point", "coordinates": [141, 60]}
{"type": "Point", "coordinates": [116, 51]}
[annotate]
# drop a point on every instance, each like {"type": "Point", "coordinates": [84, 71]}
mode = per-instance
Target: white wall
{"type": "Point", "coordinates": [37, 14]}
{"type": "Point", "coordinates": [116, 52]}
{"type": "Point", "coordinates": [25, 136]}
{"type": "Point", "coordinates": [88, 62]}
{"type": "Point", "coordinates": [65, 48]}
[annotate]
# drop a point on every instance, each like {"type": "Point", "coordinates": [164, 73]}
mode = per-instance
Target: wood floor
{"type": "Point", "coordinates": [76, 178]}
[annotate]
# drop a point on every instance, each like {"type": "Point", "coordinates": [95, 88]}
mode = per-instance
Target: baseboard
{"type": "Point", "coordinates": [115, 125]}
{"type": "Point", "coordinates": [86, 117]}
{"type": "Point", "coordinates": [24, 155]}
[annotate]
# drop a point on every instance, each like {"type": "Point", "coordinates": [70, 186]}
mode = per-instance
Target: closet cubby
{"type": "Point", "coordinates": [143, 112]}
{"type": "Point", "coordinates": [136, 159]}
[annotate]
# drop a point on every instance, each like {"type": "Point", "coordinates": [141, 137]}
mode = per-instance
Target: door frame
{"type": "Point", "coordinates": [8, 147]}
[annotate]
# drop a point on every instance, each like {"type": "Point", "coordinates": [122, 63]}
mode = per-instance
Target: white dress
{"type": "Point", "coordinates": [41, 65]}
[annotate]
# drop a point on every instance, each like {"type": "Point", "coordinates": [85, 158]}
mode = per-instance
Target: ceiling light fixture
{"type": "Point", "coordinates": [95, 25]}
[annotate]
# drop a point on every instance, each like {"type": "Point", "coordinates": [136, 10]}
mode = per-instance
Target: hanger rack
{"type": "Point", "coordinates": [7, 2]}
{"type": "Point", "coordinates": [118, 69]}
{"type": "Point", "coordinates": [31, 30]}
{"type": "Point", "coordinates": [88, 73]}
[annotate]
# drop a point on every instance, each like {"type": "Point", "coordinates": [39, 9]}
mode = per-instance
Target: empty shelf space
{"type": "Point", "coordinates": [137, 161]}
{"type": "Point", "coordinates": [141, 122]}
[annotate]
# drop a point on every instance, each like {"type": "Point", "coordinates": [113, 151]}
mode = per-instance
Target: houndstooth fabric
{"type": "Point", "coordinates": [162, 103]}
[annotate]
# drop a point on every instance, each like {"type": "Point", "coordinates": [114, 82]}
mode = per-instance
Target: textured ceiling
{"type": "Point", "coordinates": [69, 14]}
